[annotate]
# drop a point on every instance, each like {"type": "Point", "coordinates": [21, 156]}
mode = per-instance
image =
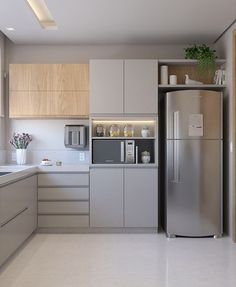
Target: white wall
{"type": "Point", "coordinates": [48, 134]}
{"type": "Point", "coordinates": [48, 140]}
{"type": "Point", "coordinates": [225, 49]}
{"type": "Point", "coordinates": [82, 53]}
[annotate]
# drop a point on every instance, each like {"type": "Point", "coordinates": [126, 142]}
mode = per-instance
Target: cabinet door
{"type": "Point", "coordinates": [106, 86]}
{"type": "Point", "coordinates": [28, 104]}
{"type": "Point", "coordinates": [140, 197]}
{"type": "Point", "coordinates": [18, 214]}
{"type": "Point", "coordinates": [68, 103]}
{"type": "Point", "coordinates": [106, 197]}
{"type": "Point", "coordinates": [19, 77]}
{"type": "Point", "coordinates": [48, 90]}
{"type": "Point", "coordinates": [140, 86]}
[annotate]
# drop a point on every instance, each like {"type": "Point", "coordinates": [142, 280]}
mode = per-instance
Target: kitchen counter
{"type": "Point", "coordinates": [17, 172]}
{"type": "Point", "coordinates": [21, 171]}
{"type": "Point", "coordinates": [64, 168]}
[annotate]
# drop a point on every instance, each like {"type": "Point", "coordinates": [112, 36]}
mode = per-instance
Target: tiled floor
{"type": "Point", "coordinates": [121, 260]}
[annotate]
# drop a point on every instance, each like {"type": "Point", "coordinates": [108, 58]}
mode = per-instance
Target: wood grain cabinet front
{"type": "Point", "coordinates": [48, 90]}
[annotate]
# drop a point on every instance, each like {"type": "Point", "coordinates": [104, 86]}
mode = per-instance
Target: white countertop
{"type": "Point", "coordinates": [17, 172]}
{"type": "Point", "coordinates": [20, 171]}
{"type": "Point", "coordinates": [64, 168]}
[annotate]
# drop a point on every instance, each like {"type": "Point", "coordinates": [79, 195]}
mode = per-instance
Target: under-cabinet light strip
{"type": "Point", "coordinates": [123, 121]}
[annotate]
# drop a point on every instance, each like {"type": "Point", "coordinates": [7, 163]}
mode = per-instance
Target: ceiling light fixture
{"type": "Point", "coordinates": [43, 14]}
{"type": "Point", "coordinates": [10, 29]}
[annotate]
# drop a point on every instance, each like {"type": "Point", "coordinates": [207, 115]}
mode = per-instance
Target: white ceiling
{"type": "Point", "coordinates": [120, 21]}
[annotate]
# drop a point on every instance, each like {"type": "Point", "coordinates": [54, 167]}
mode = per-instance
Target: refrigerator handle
{"type": "Point", "coordinates": [176, 125]}
{"type": "Point", "coordinates": [122, 151]}
{"type": "Point", "coordinates": [176, 162]}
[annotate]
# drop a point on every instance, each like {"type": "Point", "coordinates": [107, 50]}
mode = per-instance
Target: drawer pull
{"type": "Point", "coordinates": [13, 217]}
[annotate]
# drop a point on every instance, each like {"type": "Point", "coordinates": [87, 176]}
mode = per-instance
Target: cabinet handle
{"type": "Point", "coordinates": [13, 217]}
{"type": "Point", "coordinates": [122, 151]}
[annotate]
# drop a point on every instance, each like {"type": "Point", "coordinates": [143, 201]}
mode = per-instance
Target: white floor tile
{"type": "Point", "coordinates": [121, 260]}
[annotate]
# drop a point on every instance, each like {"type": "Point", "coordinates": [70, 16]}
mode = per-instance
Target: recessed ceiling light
{"type": "Point", "coordinates": [43, 14]}
{"type": "Point", "coordinates": [10, 29]}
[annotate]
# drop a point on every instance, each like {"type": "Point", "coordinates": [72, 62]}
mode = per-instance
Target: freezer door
{"type": "Point", "coordinates": [193, 114]}
{"type": "Point", "coordinates": [193, 188]}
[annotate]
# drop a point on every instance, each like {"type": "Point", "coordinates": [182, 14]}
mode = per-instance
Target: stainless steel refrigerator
{"type": "Point", "coordinates": [193, 163]}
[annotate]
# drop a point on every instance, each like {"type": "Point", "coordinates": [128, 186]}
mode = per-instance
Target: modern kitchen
{"type": "Point", "coordinates": [117, 144]}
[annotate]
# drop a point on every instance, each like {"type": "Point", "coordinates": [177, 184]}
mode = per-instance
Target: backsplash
{"type": "Point", "coordinates": [48, 141]}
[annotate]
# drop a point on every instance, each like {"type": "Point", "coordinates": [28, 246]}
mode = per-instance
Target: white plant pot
{"type": "Point", "coordinates": [21, 156]}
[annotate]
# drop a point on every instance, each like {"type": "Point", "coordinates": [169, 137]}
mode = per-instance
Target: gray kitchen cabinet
{"type": "Point", "coordinates": [123, 197]}
{"type": "Point", "coordinates": [123, 86]}
{"type": "Point", "coordinates": [140, 86]}
{"type": "Point", "coordinates": [60, 179]}
{"type": "Point", "coordinates": [140, 197]}
{"type": "Point", "coordinates": [63, 200]}
{"type": "Point", "coordinates": [106, 86]}
{"type": "Point", "coordinates": [106, 197]}
{"type": "Point", "coordinates": [18, 214]}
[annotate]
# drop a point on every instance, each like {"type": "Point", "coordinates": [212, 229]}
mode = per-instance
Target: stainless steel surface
{"type": "Point", "coordinates": [193, 172]}
{"type": "Point", "coordinates": [180, 105]}
{"type": "Point", "coordinates": [129, 151]}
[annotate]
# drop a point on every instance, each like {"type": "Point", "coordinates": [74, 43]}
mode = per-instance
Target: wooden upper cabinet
{"type": "Point", "coordinates": [19, 77]}
{"type": "Point", "coordinates": [48, 90]}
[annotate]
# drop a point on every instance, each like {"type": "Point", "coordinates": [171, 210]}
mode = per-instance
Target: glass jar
{"type": "Point", "coordinates": [145, 132]}
{"type": "Point", "coordinates": [114, 131]}
{"type": "Point", "coordinates": [128, 130]}
{"type": "Point", "coordinates": [100, 131]}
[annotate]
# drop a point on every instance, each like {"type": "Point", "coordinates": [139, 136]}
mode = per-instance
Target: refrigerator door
{"type": "Point", "coordinates": [194, 114]}
{"type": "Point", "coordinates": [193, 187]}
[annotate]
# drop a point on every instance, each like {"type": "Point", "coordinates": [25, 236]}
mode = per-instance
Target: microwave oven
{"type": "Point", "coordinates": [113, 151]}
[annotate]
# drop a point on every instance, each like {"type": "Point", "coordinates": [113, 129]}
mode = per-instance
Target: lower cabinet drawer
{"type": "Point", "coordinates": [63, 207]}
{"type": "Point", "coordinates": [63, 193]}
{"type": "Point", "coordinates": [63, 221]}
{"type": "Point", "coordinates": [54, 179]}
{"type": "Point", "coordinates": [15, 232]}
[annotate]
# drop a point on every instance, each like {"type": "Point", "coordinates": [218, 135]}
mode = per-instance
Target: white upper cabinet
{"type": "Point", "coordinates": [123, 87]}
{"type": "Point", "coordinates": [140, 87]}
{"type": "Point", "coordinates": [106, 86]}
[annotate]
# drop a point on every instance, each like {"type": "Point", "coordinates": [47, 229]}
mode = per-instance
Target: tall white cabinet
{"type": "Point", "coordinates": [123, 86]}
{"type": "Point", "coordinates": [124, 93]}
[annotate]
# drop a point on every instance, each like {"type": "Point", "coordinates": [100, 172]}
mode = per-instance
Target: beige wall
{"type": "Point", "coordinates": [225, 49]}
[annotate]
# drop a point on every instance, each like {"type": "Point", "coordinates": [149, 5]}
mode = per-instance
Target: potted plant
{"type": "Point", "coordinates": [20, 142]}
{"type": "Point", "coordinates": [205, 57]}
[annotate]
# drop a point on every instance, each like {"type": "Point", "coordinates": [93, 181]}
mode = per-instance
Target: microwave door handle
{"type": "Point", "coordinates": [122, 151]}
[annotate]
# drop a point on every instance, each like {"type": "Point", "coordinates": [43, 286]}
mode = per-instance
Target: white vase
{"type": "Point", "coordinates": [21, 156]}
